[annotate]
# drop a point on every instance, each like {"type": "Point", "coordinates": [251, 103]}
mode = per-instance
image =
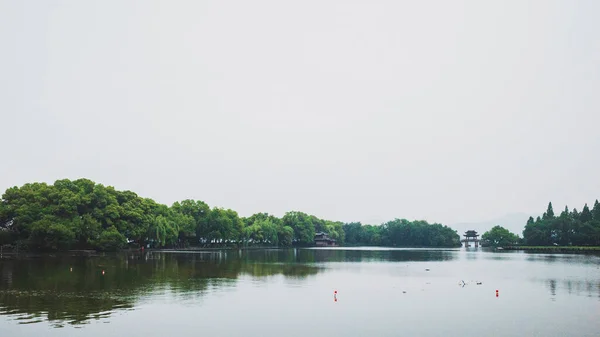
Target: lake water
{"type": "Point", "coordinates": [380, 292]}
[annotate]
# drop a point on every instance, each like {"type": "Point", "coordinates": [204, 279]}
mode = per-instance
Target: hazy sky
{"type": "Point", "coordinates": [448, 111]}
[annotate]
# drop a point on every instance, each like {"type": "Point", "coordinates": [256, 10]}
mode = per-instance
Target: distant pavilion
{"type": "Point", "coordinates": [471, 236]}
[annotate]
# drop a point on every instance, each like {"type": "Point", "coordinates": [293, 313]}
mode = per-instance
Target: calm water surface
{"type": "Point", "coordinates": [381, 292]}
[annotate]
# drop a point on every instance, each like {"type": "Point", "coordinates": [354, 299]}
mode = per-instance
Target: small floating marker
{"type": "Point", "coordinates": [335, 291]}
{"type": "Point", "coordinates": [496, 292]}
{"type": "Point", "coordinates": [71, 269]}
{"type": "Point", "coordinates": [103, 272]}
{"type": "Point", "coordinates": [427, 269]}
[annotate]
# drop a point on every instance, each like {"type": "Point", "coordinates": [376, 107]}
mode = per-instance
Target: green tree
{"type": "Point", "coordinates": [85, 215]}
{"type": "Point", "coordinates": [110, 240]}
{"type": "Point", "coordinates": [200, 212]}
{"type": "Point", "coordinates": [285, 235]}
{"type": "Point", "coordinates": [586, 215]}
{"type": "Point", "coordinates": [304, 230]}
{"type": "Point", "coordinates": [570, 228]}
{"type": "Point", "coordinates": [596, 211]}
{"type": "Point", "coordinates": [224, 226]}
{"type": "Point", "coordinates": [48, 234]}
{"type": "Point", "coordinates": [336, 231]}
{"type": "Point", "coordinates": [157, 232]}
{"type": "Point", "coordinates": [352, 231]}
{"type": "Point", "coordinates": [549, 212]}
{"type": "Point", "coordinates": [499, 236]}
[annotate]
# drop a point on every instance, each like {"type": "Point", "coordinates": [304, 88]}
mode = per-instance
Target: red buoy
{"type": "Point", "coordinates": [335, 292]}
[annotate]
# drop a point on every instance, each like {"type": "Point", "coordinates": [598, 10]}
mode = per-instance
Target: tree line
{"type": "Point", "coordinates": [403, 233]}
{"type": "Point", "coordinates": [569, 228]}
{"type": "Point", "coordinates": [82, 214]}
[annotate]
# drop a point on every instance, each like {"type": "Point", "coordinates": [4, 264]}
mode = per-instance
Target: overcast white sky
{"type": "Point", "coordinates": [449, 111]}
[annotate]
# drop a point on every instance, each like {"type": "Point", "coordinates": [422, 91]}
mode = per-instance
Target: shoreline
{"type": "Point", "coordinates": [85, 252]}
{"type": "Point", "coordinates": [555, 248]}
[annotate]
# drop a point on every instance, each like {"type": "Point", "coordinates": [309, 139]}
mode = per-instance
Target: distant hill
{"type": "Point", "coordinates": [514, 222]}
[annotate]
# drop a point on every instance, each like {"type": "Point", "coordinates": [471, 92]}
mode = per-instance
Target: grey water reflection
{"type": "Point", "coordinates": [72, 290]}
{"type": "Point", "coordinates": [75, 289]}
{"type": "Point", "coordinates": [572, 287]}
{"type": "Point", "coordinates": [366, 255]}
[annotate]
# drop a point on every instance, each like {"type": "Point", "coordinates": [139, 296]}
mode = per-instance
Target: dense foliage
{"type": "Point", "coordinates": [401, 232]}
{"type": "Point", "coordinates": [81, 214]}
{"type": "Point", "coordinates": [499, 236]}
{"type": "Point", "coordinates": [569, 228]}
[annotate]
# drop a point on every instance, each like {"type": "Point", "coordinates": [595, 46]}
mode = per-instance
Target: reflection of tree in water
{"type": "Point", "coordinates": [552, 284]}
{"type": "Point", "coordinates": [30, 306]}
{"type": "Point", "coordinates": [349, 255]}
{"type": "Point", "coordinates": [73, 289]}
{"type": "Point", "coordinates": [550, 258]}
{"type": "Point", "coordinates": [574, 287]}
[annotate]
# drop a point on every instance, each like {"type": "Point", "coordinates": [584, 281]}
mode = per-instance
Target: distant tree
{"type": "Point", "coordinates": [499, 236]}
{"type": "Point", "coordinates": [596, 211]}
{"type": "Point", "coordinates": [570, 228]}
{"type": "Point", "coordinates": [285, 235]}
{"type": "Point", "coordinates": [549, 214]}
{"type": "Point", "coordinates": [200, 213]}
{"type": "Point", "coordinates": [336, 231]}
{"type": "Point", "coordinates": [565, 212]}
{"type": "Point", "coordinates": [82, 214]}
{"type": "Point", "coordinates": [50, 234]}
{"type": "Point", "coordinates": [304, 230]}
{"type": "Point", "coordinates": [110, 240]}
{"type": "Point", "coordinates": [353, 232]}
{"type": "Point", "coordinates": [224, 226]}
{"type": "Point", "coordinates": [402, 233]}
{"type": "Point", "coordinates": [586, 215]}
{"type": "Point", "coordinates": [530, 221]}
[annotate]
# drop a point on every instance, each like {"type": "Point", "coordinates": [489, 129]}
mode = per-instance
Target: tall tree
{"type": "Point", "coordinates": [596, 211]}
{"type": "Point", "coordinates": [565, 212]}
{"type": "Point", "coordinates": [549, 212]}
{"type": "Point", "coordinates": [572, 228]}
{"type": "Point", "coordinates": [586, 215]}
{"type": "Point", "coordinates": [530, 221]}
